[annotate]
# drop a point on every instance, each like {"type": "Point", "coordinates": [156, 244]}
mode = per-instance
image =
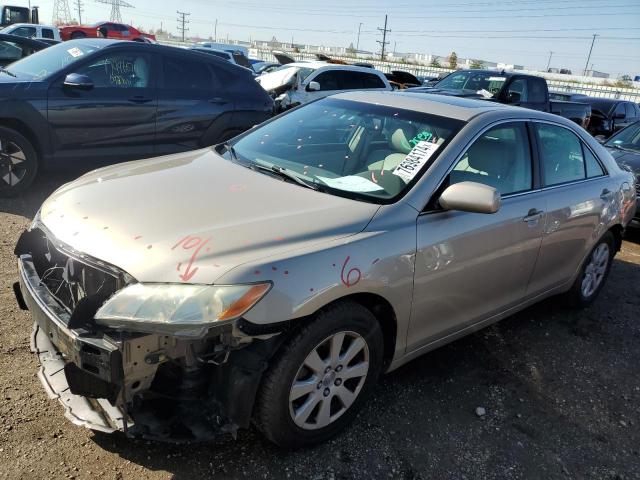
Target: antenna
{"type": "Point", "coordinates": [116, 16]}
{"type": "Point", "coordinates": [61, 13]}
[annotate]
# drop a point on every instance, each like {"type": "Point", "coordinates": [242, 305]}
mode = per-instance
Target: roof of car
{"type": "Point", "coordinates": [316, 64]}
{"type": "Point", "coordinates": [446, 106]}
{"type": "Point", "coordinates": [603, 104]}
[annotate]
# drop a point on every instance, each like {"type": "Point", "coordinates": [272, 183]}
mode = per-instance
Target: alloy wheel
{"type": "Point", "coordinates": [13, 166]}
{"type": "Point", "coordinates": [595, 270]}
{"type": "Point", "coordinates": [329, 380]}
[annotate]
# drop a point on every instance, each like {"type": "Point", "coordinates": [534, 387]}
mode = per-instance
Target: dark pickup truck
{"type": "Point", "coordinates": [511, 88]}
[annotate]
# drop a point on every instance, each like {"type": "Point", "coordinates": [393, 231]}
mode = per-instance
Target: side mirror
{"type": "Point", "coordinates": [313, 87]}
{"type": "Point", "coordinates": [78, 82]}
{"type": "Point", "coordinates": [470, 197]}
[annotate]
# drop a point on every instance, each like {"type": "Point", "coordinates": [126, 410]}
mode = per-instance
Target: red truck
{"type": "Point", "coordinates": [104, 30]}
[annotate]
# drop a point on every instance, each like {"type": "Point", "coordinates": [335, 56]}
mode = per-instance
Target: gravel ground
{"type": "Point", "coordinates": [561, 392]}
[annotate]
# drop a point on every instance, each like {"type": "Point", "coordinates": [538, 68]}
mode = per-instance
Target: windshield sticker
{"type": "Point", "coordinates": [351, 183]}
{"type": "Point", "coordinates": [415, 160]}
{"type": "Point", "coordinates": [485, 93]}
{"type": "Point", "coordinates": [422, 136]}
{"type": "Point", "coordinates": [75, 52]}
{"type": "Point", "coordinates": [497, 79]}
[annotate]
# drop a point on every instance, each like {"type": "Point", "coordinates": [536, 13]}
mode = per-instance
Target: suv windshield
{"type": "Point", "coordinates": [354, 149]}
{"type": "Point", "coordinates": [476, 81]}
{"type": "Point", "coordinates": [52, 59]}
{"type": "Point", "coordinates": [629, 138]}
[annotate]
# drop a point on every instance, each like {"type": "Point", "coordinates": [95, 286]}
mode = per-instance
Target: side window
{"type": "Point", "coordinates": [119, 70]}
{"type": "Point", "coordinates": [28, 32]}
{"type": "Point", "coordinates": [10, 52]}
{"type": "Point", "coordinates": [620, 110]}
{"type": "Point", "coordinates": [184, 74]}
{"type": "Point", "coordinates": [349, 80]}
{"type": "Point", "coordinates": [372, 81]}
{"type": "Point", "coordinates": [500, 158]}
{"type": "Point", "coordinates": [537, 90]}
{"type": "Point", "coordinates": [517, 91]}
{"type": "Point", "coordinates": [328, 80]}
{"type": "Point", "coordinates": [593, 166]}
{"type": "Point", "coordinates": [560, 154]}
{"type": "Point", "coordinates": [47, 33]}
{"type": "Point", "coordinates": [631, 112]}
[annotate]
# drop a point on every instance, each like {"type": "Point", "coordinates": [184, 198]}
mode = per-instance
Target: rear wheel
{"type": "Point", "coordinates": [594, 272]}
{"type": "Point", "coordinates": [18, 163]}
{"type": "Point", "coordinates": [75, 35]}
{"type": "Point", "coordinates": [321, 377]}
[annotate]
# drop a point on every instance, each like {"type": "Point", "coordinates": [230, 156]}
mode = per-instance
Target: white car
{"type": "Point", "coordinates": [30, 30]}
{"type": "Point", "coordinates": [298, 83]}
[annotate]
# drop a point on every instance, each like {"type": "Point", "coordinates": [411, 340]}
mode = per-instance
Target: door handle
{"type": "Point", "coordinates": [605, 194]}
{"type": "Point", "coordinates": [140, 99]}
{"type": "Point", "coordinates": [218, 101]}
{"type": "Point", "coordinates": [533, 215]}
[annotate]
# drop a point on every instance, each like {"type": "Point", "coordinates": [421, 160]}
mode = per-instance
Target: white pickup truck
{"type": "Point", "coordinates": [31, 30]}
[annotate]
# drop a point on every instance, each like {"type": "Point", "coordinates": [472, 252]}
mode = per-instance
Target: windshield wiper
{"type": "Point", "coordinates": [618, 147]}
{"type": "Point", "coordinates": [285, 174]}
{"type": "Point", "coordinates": [11, 74]}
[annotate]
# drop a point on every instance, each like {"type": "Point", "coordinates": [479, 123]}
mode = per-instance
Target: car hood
{"type": "Point", "coordinates": [626, 158]}
{"type": "Point", "coordinates": [192, 217]}
{"type": "Point", "coordinates": [279, 80]}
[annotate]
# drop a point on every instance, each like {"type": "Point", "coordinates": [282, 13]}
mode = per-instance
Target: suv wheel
{"type": "Point", "coordinates": [18, 163]}
{"type": "Point", "coordinates": [594, 272]}
{"type": "Point", "coordinates": [319, 380]}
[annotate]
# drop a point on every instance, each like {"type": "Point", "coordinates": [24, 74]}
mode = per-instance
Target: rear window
{"type": "Point", "coordinates": [187, 74]}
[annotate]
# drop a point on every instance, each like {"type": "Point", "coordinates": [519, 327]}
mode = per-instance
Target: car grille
{"type": "Point", "coordinates": [74, 280]}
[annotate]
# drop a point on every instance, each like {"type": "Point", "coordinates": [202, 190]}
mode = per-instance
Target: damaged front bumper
{"type": "Point", "coordinates": [146, 385]}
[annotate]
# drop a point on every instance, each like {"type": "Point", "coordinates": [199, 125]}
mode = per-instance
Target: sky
{"type": "Point", "coordinates": [521, 32]}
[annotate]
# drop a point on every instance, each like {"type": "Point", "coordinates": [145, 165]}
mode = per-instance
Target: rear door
{"type": "Point", "coordinates": [575, 187]}
{"type": "Point", "coordinates": [538, 94]}
{"type": "Point", "coordinates": [193, 101]}
{"type": "Point", "coordinates": [114, 121]}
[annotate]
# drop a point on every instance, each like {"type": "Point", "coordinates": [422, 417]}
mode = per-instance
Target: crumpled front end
{"type": "Point", "coordinates": [146, 385]}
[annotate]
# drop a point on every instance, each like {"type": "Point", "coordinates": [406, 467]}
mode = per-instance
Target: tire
{"type": "Point", "coordinates": [595, 270]}
{"type": "Point", "coordinates": [76, 35]}
{"type": "Point", "coordinates": [356, 329]}
{"type": "Point", "coordinates": [18, 163]}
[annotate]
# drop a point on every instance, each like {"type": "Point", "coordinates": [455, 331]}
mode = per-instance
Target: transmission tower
{"type": "Point", "coordinates": [182, 22]}
{"type": "Point", "coordinates": [61, 12]}
{"type": "Point", "coordinates": [116, 16]}
{"type": "Point", "coordinates": [384, 41]}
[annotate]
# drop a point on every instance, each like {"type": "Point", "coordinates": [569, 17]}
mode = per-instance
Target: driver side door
{"type": "Point", "coordinates": [113, 121]}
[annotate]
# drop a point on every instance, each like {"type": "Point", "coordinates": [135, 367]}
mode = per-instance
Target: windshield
{"type": "Point", "coordinates": [53, 59]}
{"type": "Point", "coordinates": [629, 138]}
{"type": "Point", "coordinates": [477, 81]}
{"type": "Point", "coordinates": [353, 149]}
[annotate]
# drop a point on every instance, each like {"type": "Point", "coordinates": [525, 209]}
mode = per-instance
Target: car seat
{"type": "Point", "coordinates": [141, 71]}
{"type": "Point", "coordinates": [400, 147]}
{"type": "Point", "coordinates": [490, 160]}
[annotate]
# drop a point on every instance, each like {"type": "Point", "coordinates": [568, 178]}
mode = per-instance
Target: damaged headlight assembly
{"type": "Point", "coordinates": [181, 310]}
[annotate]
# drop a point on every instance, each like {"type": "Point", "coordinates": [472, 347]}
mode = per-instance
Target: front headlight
{"type": "Point", "coordinates": [181, 310]}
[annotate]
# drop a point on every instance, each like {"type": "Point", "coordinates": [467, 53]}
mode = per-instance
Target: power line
{"type": "Point", "coordinates": [61, 13]}
{"type": "Point", "coordinates": [182, 21]}
{"type": "Point", "coordinates": [384, 41]}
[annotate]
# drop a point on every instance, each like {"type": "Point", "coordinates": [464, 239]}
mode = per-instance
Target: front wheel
{"type": "Point", "coordinates": [18, 163]}
{"type": "Point", "coordinates": [594, 273]}
{"type": "Point", "coordinates": [319, 380]}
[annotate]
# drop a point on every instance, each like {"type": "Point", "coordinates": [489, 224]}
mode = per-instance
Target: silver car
{"type": "Point", "coordinates": [274, 278]}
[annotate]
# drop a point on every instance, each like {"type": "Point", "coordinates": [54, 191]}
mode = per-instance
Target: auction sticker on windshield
{"type": "Point", "coordinates": [415, 160]}
{"type": "Point", "coordinates": [75, 52]}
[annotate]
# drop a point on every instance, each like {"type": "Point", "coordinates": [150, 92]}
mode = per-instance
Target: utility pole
{"type": "Point", "coordinates": [549, 62]}
{"type": "Point", "coordinates": [384, 41]}
{"type": "Point", "coordinates": [586, 67]}
{"type": "Point", "coordinates": [182, 22]}
{"type": "Point", "coordinates": [79, 9]}
{"type": "Point", "coordinates": [215, 31]}
{"type": "Point", "coordinates": [358, 41]}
